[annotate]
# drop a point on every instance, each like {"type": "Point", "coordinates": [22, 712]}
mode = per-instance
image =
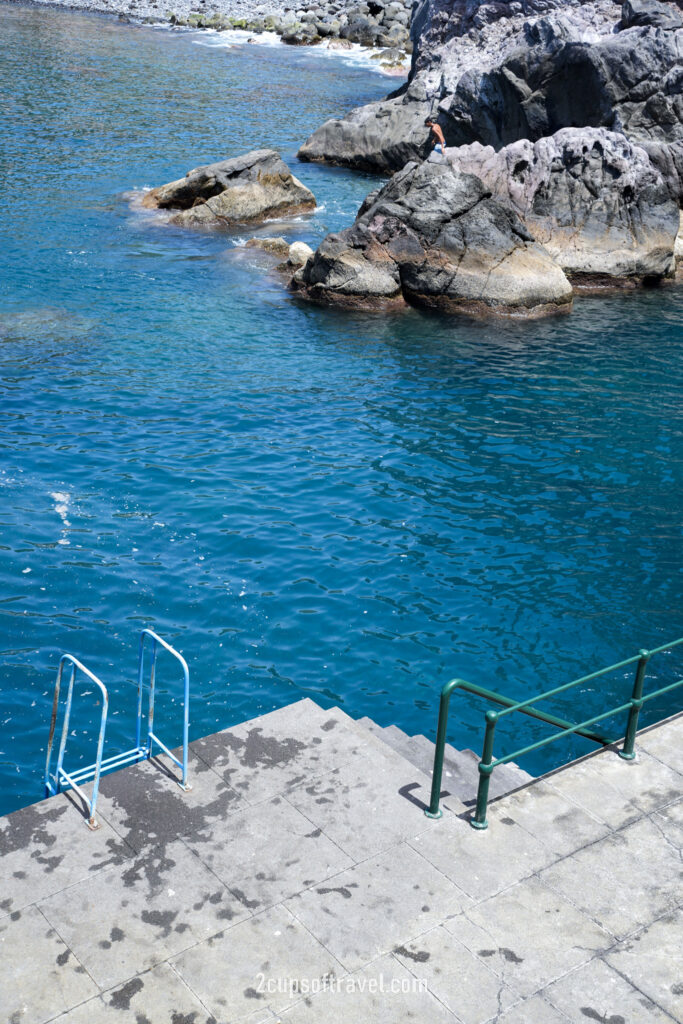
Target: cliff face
{"type": "Point", "coordinates": [495, 73]}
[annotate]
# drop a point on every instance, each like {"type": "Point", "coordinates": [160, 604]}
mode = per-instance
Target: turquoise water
{"type": "Point", "coordinates": [348, 507]}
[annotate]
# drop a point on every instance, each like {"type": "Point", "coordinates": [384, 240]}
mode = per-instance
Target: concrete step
{"type": "Point", "coordinates": [461, 771]}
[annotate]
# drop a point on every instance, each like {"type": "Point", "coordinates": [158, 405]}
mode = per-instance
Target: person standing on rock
{"type": "Point", "coordinates": [438, 136]}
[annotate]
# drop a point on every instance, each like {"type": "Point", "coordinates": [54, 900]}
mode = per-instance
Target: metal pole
{"type": "Point", "coordinates": [65, 726]}
{"type": "Point", "coordinates": [92, 821]}
{"type": "Point", "coordinates": [479, 820]}
{"type": "Point", "coordinates": [186, 724]}
{"type": "Point", "coordinates": [141, 669]}
{"type": "Point", "coordinates": [434, 811]}
{"type": "Point", "coordinates": [150, 714]}
{"type": "Point", "coordinates": [53, 723]}
{"type": "Point", "coordinates": [628, 751]}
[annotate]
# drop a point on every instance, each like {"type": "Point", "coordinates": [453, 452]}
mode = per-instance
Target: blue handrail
{"type": "Point", "coordinates": [151, 736]}
{"type": "Point", "coordinates": [61, 775]}
{"type": "Point", "coordinates": [63, 779]}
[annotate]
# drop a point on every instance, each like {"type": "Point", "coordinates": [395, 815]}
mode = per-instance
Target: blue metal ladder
{"type": "Point", "coordinates": [61, 779]}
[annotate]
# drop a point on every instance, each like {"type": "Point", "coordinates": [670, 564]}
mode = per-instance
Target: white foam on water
{"type": "Point", "coordinates": [62, 500]}
{"type": "Point", "coordinates": [356, 56]}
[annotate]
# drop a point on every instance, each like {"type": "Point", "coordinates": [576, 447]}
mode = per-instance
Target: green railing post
{"type": "Point", "coordinates": [628, 751]}
{"type": "Point", "coordinates": [479, 820]}
{"type": "Point", "coordinates": [434, 811]}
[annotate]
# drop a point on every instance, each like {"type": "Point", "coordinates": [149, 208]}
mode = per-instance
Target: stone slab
{"type": "Point", "coordinates": [269, 755]}
{"type": "Point", "coordinates": [652, 961]}
{"type": "Point", "coordinates": [483, 863]}
{"type": "Point", "coordinates": [382, 993]}
{"type": "Point", "coordinates": [534, 1011]}
{"type": "Point", "coordinates": [39, 975]}
{"type": "Point", "coordinates": [364, 912]}
{"type": "Point", "coordinates": [596, 992]}
{"type": "Point", "coordinates": [665, 742]}
{"type": "Point", "coordinates": [119, 924]}
{"type": "Point", "coordinates": [460, 980]}
{"type": "Point", "coordinates": [528, 935]}
{"type": "Point", "coordinates": [670, 821]}
{"type": "Point", "coordinates": [258, 965]}
{"type": "Point", "coordinates": [557, 823]}
{"type": "Point", "coordinates": [155, 997]}
{"type": "Point", "coordinates": [624, 881]}
{"type": "Point", "coordinates": [48, 846]}
{"type": "Point", "coordinates": [267, 852]}
{"type": "Point", "coordinates": [366, 806]}
{"type": "Point", "coordinates": [146, 806]}
{"type": "Point", "coordinates": [618, 791]}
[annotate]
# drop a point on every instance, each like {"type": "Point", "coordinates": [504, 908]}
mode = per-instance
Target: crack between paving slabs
{"type": "Point", "coordinates": [71, 953]}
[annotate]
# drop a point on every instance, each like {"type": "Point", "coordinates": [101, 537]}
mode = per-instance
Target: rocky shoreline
{"type": "Point", "coordinates": [568, 112]}
{"type": "Point", "coordinates": [562, 169]}
{"type": "Point", "coordinates": [383, 25]}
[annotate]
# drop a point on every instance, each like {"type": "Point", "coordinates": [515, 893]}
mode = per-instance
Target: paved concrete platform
{"type": "Point", "coordinates": [299, 881]}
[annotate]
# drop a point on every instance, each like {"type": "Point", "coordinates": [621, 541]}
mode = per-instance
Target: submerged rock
{"type": "Point", "coordinates": [591, 197]}
{"type": "Point", "coordinates": [246, 188]}
{"type": "Point", "coordinates": [274, 246]}
{"type": "Point", "coordinates": [435, 237]}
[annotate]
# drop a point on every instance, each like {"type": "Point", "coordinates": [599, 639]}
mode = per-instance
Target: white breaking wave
{"type": "Point", "coordinates": [357, 56]}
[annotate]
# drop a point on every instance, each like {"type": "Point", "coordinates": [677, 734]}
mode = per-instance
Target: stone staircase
{"type": "Point", "coordinates": [460, 769]}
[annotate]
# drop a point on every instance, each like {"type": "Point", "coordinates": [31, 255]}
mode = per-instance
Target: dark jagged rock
{"type": "Point", "coordinates": [247, 188]}
{"type": "Point", "coordinates": [496, 73]}
{"type": "Point", "coordinates": [650, 12]}
{"type": "Point", "coordinates": [591, 197]}
{"type": "Point", "coordinates": [667, 157]}
{"type": "Point", "coordinates": [435, 237]}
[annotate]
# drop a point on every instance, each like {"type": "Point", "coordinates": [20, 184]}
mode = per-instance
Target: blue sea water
{"type": "Point", "coordinates": [350, 507]}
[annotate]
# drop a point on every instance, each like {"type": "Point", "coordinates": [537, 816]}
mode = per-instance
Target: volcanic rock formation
{"type": "Point", "coordinates": [592, 198]}
{"type": "Point", "coordinates": [435, 237]}
{"type": "Point", "coordinates": [248, 188]}
{"type": "Point", "coordinates": [497, 72]}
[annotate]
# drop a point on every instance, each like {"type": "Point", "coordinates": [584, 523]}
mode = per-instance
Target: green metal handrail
{"type": "Point", "coordinates": [487, 763]}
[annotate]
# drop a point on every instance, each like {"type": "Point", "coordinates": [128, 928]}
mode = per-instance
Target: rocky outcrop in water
{"type": "Point", "coordinates": [498, 72]}
{"type": "Point", "coordinates": [247, 188]}
{"type": "Point", "coordinates": [590, 197]}
{"type": "Point", "coordinates": [435, 237]}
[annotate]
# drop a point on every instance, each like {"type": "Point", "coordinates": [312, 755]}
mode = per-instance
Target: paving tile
{"type": "Point", "coordinates": [670, 821]}
{"type": "Point", "coordinates": [382, 993]}
{"type": "Point", "coordinates": [596, 992]}
{"type": "Point", "coordinates": [623, 881]}
{"type": "Point", "coordinates": [261, 963]}
{"type": "Point", "coordinates": [146, 806]}
{"type": "Point", "coordinates": [652, 960]}
{"type": "Point", "coordinates": [665, 743]}
{"type": "Point", "coordinates": [48, 846]}
{"type": "Point", "coordinates": [367, 806]}
{"type": "Point", "coordinates": [483, 863]}
{"type": "Point", "coordinates": [367, 910]}
{"type": "Point", "coordinates": [461, 981]}
{"type": "Point", "coordinates": [122, 923]}
{"type": "Point", "coordinates": [534, 1011]}
{"type": "Point", "coordinates": [528, 935]}
{"type": "Point", "coordinates": [39, 976]}
{"type": "Point", "coordinates": [155, 997]}
{"type": "Point", "coordinates": [267, 852]}
{"type": "Point", "coordinates": [557, 823]}
{"type": "Point", "coordinates": [287, 747]}
{"type": "Point", "coordinates": [618, 791]}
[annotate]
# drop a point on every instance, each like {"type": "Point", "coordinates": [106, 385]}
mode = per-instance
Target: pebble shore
{"type": "Point", "coordinates": [383, 25]}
